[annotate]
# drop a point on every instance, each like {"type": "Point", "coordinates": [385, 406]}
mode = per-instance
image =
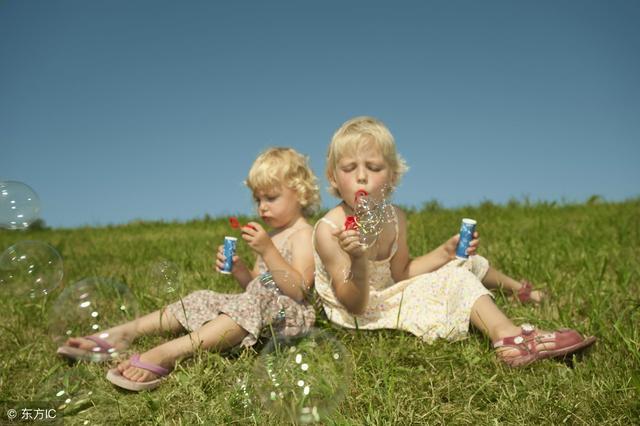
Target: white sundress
{"type": "Point", "coordinates": [431, 306]}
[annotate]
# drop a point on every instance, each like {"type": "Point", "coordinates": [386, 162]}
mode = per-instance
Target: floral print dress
{"type": "Point", "coordinates": [260, 306]}
{"type": "Point", "coordinates": [432, 305]}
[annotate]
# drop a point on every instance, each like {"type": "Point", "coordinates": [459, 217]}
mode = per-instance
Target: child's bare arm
{"type": "Point", "coordinates": [348, 272]}
{"type": "Point", "coordinates": [403, 267]}
{"type": "Point", "coordinates": [295, 278]}
{"type": "Point", "coordinates": [243, 276]}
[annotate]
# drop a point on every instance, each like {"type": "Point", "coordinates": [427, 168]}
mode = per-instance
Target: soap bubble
{"type": "Point", "coordinates": [240, 395]}
{"type": "Point", "coordinates": [19, 205]}
{"type": "Point", "coordinates": [91, 307]}
{"type": "Point", "coordinates": [68, 392]}
{"type": "Point", "coordinates": [302, 379]}
{"type": "Point", "coordinates": [387, 213]}
{"type": "Point", "coordinates": [30, 269]}
{"type": "Point", "coordinates": [165, 281]}
{"type": "Point", "coordinates": [368, 220]}
{"type": "Point", "coordinates": [372, 213]}
{"type": "Point", "coordinates": [279, 311]}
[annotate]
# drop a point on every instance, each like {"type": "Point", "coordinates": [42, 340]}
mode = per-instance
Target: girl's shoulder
{"type": "Point", "coordinates": [402, 216]}
{"type": "Point", "coordinates": [305, 229]}
{"type": "Point", "coordinates": [299, 240]}
{"type": "Point", "coordinates": [336, 215]}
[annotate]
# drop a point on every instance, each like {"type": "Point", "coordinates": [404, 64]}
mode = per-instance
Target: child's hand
{"type": "Point", "coordinates": [257, 238]}
{"type": "Point", "coordinates": [220, 258]}
{"type": "Point", "coordinates": [450, 245]}
{"type": "Point", "coordinates": [349, 240]}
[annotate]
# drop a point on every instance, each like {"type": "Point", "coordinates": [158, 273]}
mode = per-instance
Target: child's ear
{"type": "Point", "coordinates": [394, 179]}
{"type": "Point", "coordinates": [331, 177]}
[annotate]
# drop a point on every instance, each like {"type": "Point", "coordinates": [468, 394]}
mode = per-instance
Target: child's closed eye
{"type": "Point", "coordinates": [374, 167]}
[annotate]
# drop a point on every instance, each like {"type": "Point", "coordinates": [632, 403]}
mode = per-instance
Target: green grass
{"type": "Point", "coordinates": [586, 256]}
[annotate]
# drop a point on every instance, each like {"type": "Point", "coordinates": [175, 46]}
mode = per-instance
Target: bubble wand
{"type": "Point", "coordinates": [351, 222]}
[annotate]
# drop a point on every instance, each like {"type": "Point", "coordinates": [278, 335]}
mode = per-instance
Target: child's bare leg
{"type": "Point", "coordinates": [495, 279]}
{"type": "Point", "coordinates": [153, 323]}
{"type": "Point", "coordinates": [489, 319]}
{"type": "Point", "coordinates": [219, 334]}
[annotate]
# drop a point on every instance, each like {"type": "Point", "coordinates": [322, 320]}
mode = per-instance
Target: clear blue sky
{"type": "Point", "coordinates": [150, 109]}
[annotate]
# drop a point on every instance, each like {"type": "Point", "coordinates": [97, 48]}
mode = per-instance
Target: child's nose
{"type": "Point", "coordinates": [362, 176]}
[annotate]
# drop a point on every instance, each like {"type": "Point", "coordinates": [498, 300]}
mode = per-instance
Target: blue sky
{"type": "Point", "coordinates": [151, 109]}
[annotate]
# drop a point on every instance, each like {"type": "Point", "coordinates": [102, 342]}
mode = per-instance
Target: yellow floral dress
{"type": "Point", "coordinates": [432, 305]}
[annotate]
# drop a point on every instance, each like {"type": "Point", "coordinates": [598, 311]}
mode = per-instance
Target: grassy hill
{"type": "Point", "coordinates": [586, 256]}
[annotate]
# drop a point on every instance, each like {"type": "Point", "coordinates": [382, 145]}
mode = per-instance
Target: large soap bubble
{"type": "Point", "coordinates": [68, 392]}
{"type": "Point", "coordinates": [165, 281]}
{"type": "Point", "coordinates": [94, 307]}
{"type": "Point", "coordinates": [19, 205]}
{"type": "Point", "coordinates": [302, 379]}
{"type": "Point", "coordinates": [30, 269]}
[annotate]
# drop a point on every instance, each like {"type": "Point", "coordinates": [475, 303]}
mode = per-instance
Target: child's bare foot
{"type": "Point", "coordinates": [137, 374]}
{"type": "Point", "coordinates": [88, 344]}
{"type": "Point", "coordinates": [526, 293]}
{"type": "Point", "coordinates": [97, 348]}
{"type": "Point", "coordinates": [531, 345]}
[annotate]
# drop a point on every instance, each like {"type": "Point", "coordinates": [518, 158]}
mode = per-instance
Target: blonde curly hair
{"type": "Point", "coordinates": [359, 132]}
{"type": "Point", "coordinates": [285, 166]}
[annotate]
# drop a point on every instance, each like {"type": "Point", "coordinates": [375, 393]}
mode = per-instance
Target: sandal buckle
{"type": "Point", "coordinates": [527, 328]}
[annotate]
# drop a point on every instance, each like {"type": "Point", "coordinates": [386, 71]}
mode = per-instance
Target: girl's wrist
{"type": "Point", "coordinates": [358, 267]}
{"type": "Point", "coordinates": [358, 261]}
{"type": "Point", "coordinates": [446, 256]}
{"type": "Point", "coordinates": [238, 269]}
{"type": "Point", "coordinates": [267, 251]}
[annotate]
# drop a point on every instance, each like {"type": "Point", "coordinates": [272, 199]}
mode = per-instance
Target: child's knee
{"type": "Point", "coordinates": [479, 266]}
{"type": "Point", "coordinates": [463, 275]}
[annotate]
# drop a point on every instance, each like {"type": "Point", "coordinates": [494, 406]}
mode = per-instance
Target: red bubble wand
{"type": "Point", "coordinates": [351, 222]}
{"type": "Point", "coordinates": [235, 224]}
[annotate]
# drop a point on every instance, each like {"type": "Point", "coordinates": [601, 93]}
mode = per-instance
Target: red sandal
{"type": "Point", "coordinates": [565, 341]}
{"type": "Point", "coordinates": [524, 293]}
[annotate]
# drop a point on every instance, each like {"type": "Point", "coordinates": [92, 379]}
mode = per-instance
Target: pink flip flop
{"type": "Point", "coordinates": [115, 377]}
{"type": "Point", "coordinates": [104, 351]}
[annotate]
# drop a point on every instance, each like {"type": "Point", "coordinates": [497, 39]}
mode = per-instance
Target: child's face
{"type": "Point", "coordinates": [278, 206]}
{"type": "Point", "coordinates": [365, 169]}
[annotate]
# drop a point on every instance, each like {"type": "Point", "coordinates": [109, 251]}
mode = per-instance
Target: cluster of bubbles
{"type": "Point", "coordinates": [299, 379]}
{"type": "Point", "coordinates": [28, 269]}
{"type": "Point", "coordinates": [371, 214]}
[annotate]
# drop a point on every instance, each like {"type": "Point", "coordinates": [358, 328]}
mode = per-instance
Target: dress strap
{"type": "Point", "coordinates": [328, 221]}
{"type": "Point", "coordinates": [315, 228]}
{"type": "Point", "coordinates": [394, 248]}
{"type": "Point", "coordinates": [395, 219]}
